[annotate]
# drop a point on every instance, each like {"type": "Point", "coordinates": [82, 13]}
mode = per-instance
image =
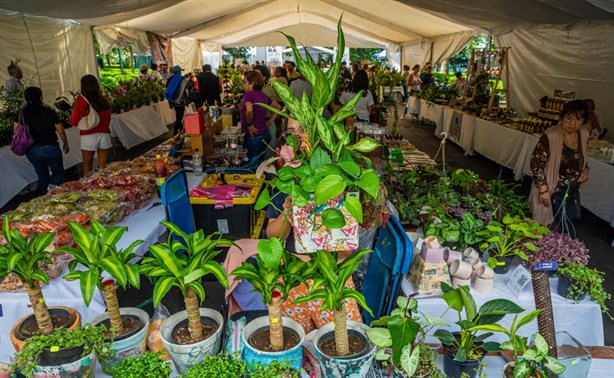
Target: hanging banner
{"type": "Point", "coordinates": [159, 47]}
{"type": "Point", "coordinates": [273, 55]}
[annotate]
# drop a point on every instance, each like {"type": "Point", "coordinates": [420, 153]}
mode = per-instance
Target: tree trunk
{"type": "Point", "coordinates": [341, 332]}
{"type": "Point", "coordinates": [276, 328]}
{"type": "Point", "coordinates": [192, 306]}
{"type": "Point", "coordinates": [110, 298]}
{"type": "Point", "coordinates": [41, 313]}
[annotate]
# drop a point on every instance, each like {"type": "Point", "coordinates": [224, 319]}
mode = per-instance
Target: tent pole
{"type": "Point", "coordinates": [121, 63]}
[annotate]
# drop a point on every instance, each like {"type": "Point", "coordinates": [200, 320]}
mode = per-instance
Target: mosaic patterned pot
{"type": "Point", "coordinates": [253, 356]}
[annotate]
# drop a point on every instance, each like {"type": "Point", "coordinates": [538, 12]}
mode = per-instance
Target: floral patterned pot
{"type": "Point", "coordinates": [82, 367]}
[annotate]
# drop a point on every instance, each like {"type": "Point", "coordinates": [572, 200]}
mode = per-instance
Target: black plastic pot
{"type": "Point", "coordinates": [52, 312]}
{"type": "Point", "coordinates": [562, 288]}
{"type": "Point", "coordinates": [61, 357]}
{"type": "Point", "coordinates": [455, 369]}
{"type": "Point", "coordinates": [502, 269]}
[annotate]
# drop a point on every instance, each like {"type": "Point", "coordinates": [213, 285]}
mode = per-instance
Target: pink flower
{"type": "Point", "coordinates": [287, 154]}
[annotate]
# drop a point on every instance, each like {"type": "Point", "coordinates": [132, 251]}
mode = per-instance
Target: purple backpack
{"type": "Point", "coordinates": [22, 140]}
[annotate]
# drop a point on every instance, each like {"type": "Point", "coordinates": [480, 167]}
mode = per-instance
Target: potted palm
{"type": "Point", "coordinates": [64, 353]}
{"type": "Point", "coordinates": [321, 170]}
{"type": "Point", "coordinates": [24, 257]}
{"type": "Point", "coordinates": [182, 261]}
{"type": "Point", "coordinates": [273, 337]}
{"type": "Point", "coordinates": [464, 350]}
{"type": "Point", "coordinates": [98, 256]}
{"type": "Point", "coordinates": [341, 346]}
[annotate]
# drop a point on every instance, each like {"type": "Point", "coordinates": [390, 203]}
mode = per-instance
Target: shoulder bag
{"type": "Point", "coordinates": [89, 121]}
{"type": "Point", "coordinates": [22, 139]}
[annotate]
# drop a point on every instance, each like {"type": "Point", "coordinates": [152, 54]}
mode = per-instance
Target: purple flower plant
{"type": "Point", "coordinates": [560, 248]}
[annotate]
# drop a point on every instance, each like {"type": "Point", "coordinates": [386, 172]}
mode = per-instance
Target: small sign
{"type": "Point", "coordinates": [546, 265]}
{"type": "Point", "coordinates": [519, 280]}
{"type": "Point", "coordinates": [1, 313]}
{"type": "Point", "coordinates": [54, 349]}
{"type": "Point", "coordinates": [222, 226]}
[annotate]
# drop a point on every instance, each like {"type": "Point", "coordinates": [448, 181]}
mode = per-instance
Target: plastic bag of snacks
{"type": "Point", "coordinates": [154, 340]}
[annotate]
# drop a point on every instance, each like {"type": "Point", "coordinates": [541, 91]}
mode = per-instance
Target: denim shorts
{"type": "Point", "coordinates": [95, 142]}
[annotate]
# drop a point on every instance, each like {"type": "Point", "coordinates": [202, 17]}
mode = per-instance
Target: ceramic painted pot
{"type": "Point", "coordinates": [354, 366]}
{"type": "Point", "coordinates": [254, 356]}
{"type": "Point", "coordinates": [186, 355]}
{"type": "Point", "coordinates": [81, 367]}
{"type": "Point", "coordinates": [132, 345]}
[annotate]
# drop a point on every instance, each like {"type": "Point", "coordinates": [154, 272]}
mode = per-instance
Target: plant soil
{"type": "Point", "coordinates": [451, 349]}
{"type": "Point", "coordinates": [261, 340]}
{"type": "Point", "coordinates": [31, 328]}
{"type": "Point", "coordinates": [508, 372]}
{"type": "Point", "coordinates": [357, 345]}
{"type": "Point", "coordinates": [131, 324]}
{"type": "Point", "coordinates": [181, 333]}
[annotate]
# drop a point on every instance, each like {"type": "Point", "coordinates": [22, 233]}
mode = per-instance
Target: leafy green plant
{"type": "Point", "coordinates": [97, 253]}
{"type": "Point", "coordinates": [323, 164]}
{"type": "Point", "coordinates": [24, 257]}
{"type": "Point", "coordinates": [275, 369]}
{"type": "Point", "coordinates": [464, 178]}
{"type": "Point", "coordinates": [469, 228]}
{"type": "Point", "coordinates": [221, 365]}
{"type": "Point", "coordinates": [585, 280]}
{"type": "Point", "coordinates": [278, 272]}
{"type": "Point", "coordinates": [181, 262]}
{"type": "Point", "coordinates": [537, 361]}
{"type": "Point", "coordinates": [467, 343]}
{"type": "Point", "coordinates": [147, 365]}
{"type": "Point", "coordinates": [329, 278]}
{"type": "Point", "coordinates": [89, 337]}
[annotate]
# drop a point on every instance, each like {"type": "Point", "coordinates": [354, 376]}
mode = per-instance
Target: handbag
{"type": "Point", "coordinates": [566, 204]}
{"type": "Point", "coordinates": [22, 139]}
{"type": "Point", "coordinates": [89, 121]}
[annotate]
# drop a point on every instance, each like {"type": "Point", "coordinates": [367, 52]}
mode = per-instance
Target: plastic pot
{"type": "Point", "coordinates": [563, 285]}
{"type": "Point", "coordinates": [60, 357]}
{"type": "Point", "coordinates": [353, 366]}
{"type": "Point", "coordinates": [508, 370]}
{"type": "Point", "coordinates": [82, 367]}
{"type": "Point", "coordinates": [455, 369]}
{"type": "Point", "coordinates": [185, 355]}
{"type": "Point", "coordinates": [253, 356]}
{"type": "Point", "coordinates": [502, 269]}
{"type": "Point", "coordinates": [18, 339]}
{"type": "Point", "coordinates": [131, 345]}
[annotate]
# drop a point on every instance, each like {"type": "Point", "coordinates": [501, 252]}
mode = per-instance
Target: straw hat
{"type": "Point", "coordinates": [144, 66]}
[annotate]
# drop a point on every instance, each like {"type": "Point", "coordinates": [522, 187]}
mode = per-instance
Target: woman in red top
{"type": "Point", "coordinates": [97, 139]}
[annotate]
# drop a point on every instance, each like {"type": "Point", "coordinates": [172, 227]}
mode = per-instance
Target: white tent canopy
{"type": "Point", "coordinates": [555, 43]}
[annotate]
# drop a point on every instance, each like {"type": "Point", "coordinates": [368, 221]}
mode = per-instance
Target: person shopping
{"type": "Point", "coordinates": [559, 167]}
{"type": "Point", "coordinates": [254, 121]}
{"type": "Point", "coordinates": [97, 140]}
{"type": "Point", "coordinates": [364, 107]}
{"type": "Point", "coordinates": [176, 93]}
{"type": "Point", "coordinates": [45, 126]}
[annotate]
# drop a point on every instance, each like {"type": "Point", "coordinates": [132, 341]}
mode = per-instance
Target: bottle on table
{"type": "Point", "coordinates": [197, 163]}
{"type": "Point", "coordinates": [160, 173]}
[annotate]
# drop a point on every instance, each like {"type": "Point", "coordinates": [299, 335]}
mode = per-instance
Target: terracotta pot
{"type": "Point", "coordinates": [18, 341]}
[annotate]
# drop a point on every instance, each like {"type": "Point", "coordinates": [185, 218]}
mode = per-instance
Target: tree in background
{"type": "Point", "coordinates": [363, 54]}
{"type": "Point", "coordinates": [461, 58]}
{"type": "Point", "coordinates": [240, 53]}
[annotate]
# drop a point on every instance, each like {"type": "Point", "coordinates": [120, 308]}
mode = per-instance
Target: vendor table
{"type": "Point", "coordinates": [582, 320]}
{"type": "Point", "coordinates": [137, 126]}
{"type": "Point", "coordinates": [164, 111]}
{"type": "Point", "coordinates": [434, 113]}
{"type": "Point", "coordinates": [17, 172]}
{"type": "Point", "coordinates": [143, 224]}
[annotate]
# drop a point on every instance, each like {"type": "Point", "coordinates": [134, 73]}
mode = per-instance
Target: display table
{"type": "Point", "coordinates": [137, 126]}
{"type": "Point", "coordinates": [164, 111]}
{"type": "Point", "coordinates": [17, 172]}
{"type": "Point", "coordinates": [568, 316]}
{"type": "Point", "coordinates": [434, 113]}
{"type": "Point", "coordinates": [143, 224]}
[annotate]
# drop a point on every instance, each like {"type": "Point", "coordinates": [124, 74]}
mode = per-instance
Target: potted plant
{"type": "Point", "coordinates": [321, 171]}
{"type": "Point", "coordinates": [182, 261]}
{"type": "Point", "coordinates": [147, 365]}
{"type": "Point", "coordinates": [221, 365]}
{"type": "Point", "coordinates": [535, 362]}
{"type": "Point", "coordinates": [577, 280]}
{"type": "Point", "coordinates": [338, 356]}
{"type": "Point", "coordinates": [506, 239]}
{"type": "Point", "coordinates": [25, 257]}
{"type": "Point", "coordinates": [273, 337]}
{"type": "Point", "coordinates": [561, 248]}
{"type": "Point", "coordinates": [98, 256]}
{"type": "Point", "coordinates": [64, 353]}
{"type": "Point", "coordinates": [463, 350]}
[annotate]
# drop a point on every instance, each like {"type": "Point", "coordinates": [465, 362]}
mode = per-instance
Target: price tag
{"type": "Point", "coordinates": [54, 349]}
{"type": "Point", "coordinates": [275, 320]}
{"type": "Point", "coordinates": [41, 300]}
{"type": "Point", "coordinates": [519, 280]}
{"type": "Point", "coordinates": [546, 265]}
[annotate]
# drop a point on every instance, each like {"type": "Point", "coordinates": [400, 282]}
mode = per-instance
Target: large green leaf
{"type": "Point", "coordinates": [454, 300]}
{"type": "Point", "coordinates": [500, 307]}
{"type": "Point", "coordinates": [115, 268]}
{"type": "Point", "coordinates": [81, 235]}
{"type": "Point", "coordinates": [310, 183]}
{"type": "Point", "coordinates": [325, 132]}
{"type": "Point", "coordinates": [318, 158]}
{"type": "Point", "coordinates": [299, 196]}
{"type": "Point", "coordinates": [166, 259]}
{"type": "Point", "coordinates": [350, 168]}
{"type": "Point", "coordinates": [522, 369]}
{"type": "Point", "coordinates": [554, 365]}
{"type": "Point", "coordinates": [218, 271]}
{"type": "Point", "coordinates": [303, 171]}
{"type": "Point", "coordinates": [264, 200]}
{"type": "Point", "coordinates": [333, 218]}
{"type": "Point", "coordinates": [380, 337]}
{"type": "Point", "coordinates": [409, 359]}
{"type": "Point", "coordinates": [403, 332]}
{"type": "Point", "coordinates": [328, 169]}
{"type": "Point", "coordinates": [163, 285]}
{"type": "Point", "coordinates": [541, 344]}
{"type": "Point", "coordinates": [468, 302]}
{"type": "Point", "coordinates": [199, 289]}
{"type": "Point", "coordinates": [358, 297]}
{"type": "Point", "coordinates": [369, 182]}
{"type": "Point", "coordinates": [270, 252]}
{"type": "Point", "coordinates": [349, 109]}
{"type": "Point", "coordinates": [89, 281]}
{"type": "Point", "coordinates": [527, 318]}
{"type": "Point", "coordinates": [329, 188]}
{"type": "Point", "coordinates": [354, 207]}
{"type": "Point", "coordinates": [489, 327]}
{"type": "Point", "coordinates": [194, 275]}
{"type": "Point", "coordinates": [285, 173]}
{"type": "Point", "coordinates": [364, 145]}
{"type": "Point", "coordinates": [112, 235]}
{"type": "Point", "coordinates": [133, 276]}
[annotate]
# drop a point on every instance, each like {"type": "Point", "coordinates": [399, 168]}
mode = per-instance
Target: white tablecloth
{"type": "Point", "coordinates": [166, 114]}
{"type": "Point", "coordinates": [413, 105]}
{"type": "Point", "coordinates": [144, 224]}
{"type": "Point", "coordinates": [17, 172]}
{"type": "Point", "coordinates": [568, 316]}
{"type": "Point", "coordinates": [137, 126]}
{"type": "Point", "coordinates": [434, 113]}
